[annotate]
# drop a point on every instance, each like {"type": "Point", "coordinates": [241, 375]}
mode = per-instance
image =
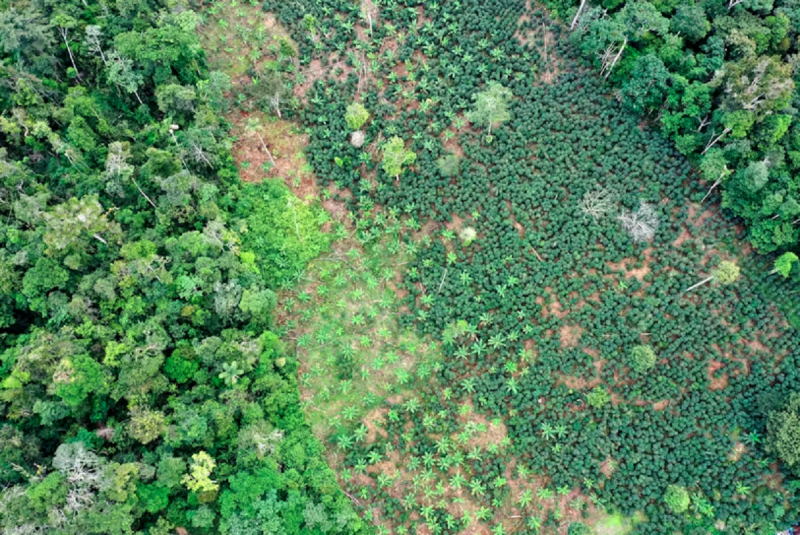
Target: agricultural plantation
{"type": "Point", "coordinates": [399, 267]}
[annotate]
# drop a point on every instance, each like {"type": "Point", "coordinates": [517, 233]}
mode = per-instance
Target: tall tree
{"type": "Point", "coordinates": [491, 106]}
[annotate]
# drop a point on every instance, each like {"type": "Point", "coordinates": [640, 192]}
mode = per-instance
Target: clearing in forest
{"type": "Point", "coordinates": [575, 381]}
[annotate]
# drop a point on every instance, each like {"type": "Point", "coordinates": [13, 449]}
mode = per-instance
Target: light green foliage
{"type": "Point", "coordinates": [714, 166]}
{"type": "Point", "coordinates": [396, 157]}
{"type": "Point", "coordinates": [49, 492]}
{"type": "Point", "coordinates": [122, 481]}
{"type": "Point", "coordinates": [203, 517]}
{"type": "Point", "coordinates": [76, 378]}
{"type": "Point", "coordinates": [598, 397]}
{"type": "Point", "coordinates": [449, 165]}
{"type": "Point", "coordinates": [726, 273]}
{"type": "Point", "coordinates": [230, 373]}
{"type": "Point", "coordinates": [466, 384]}
{"type": "Point", "coordinates": [354, 351]}
{"type": "Point", "coordinates": [138, 277]}
{"type": "Point", "coordinates": [170, 471]}
{"type": "Point", "coordinates": [153, 498]}
{"type": "Point", "coordinates": [146, 425]}
{"type": "Point", "coordinates": [783, 264]}
{"type": "Point", "coordinates": [491, 106]}
{"type": "Point", "coordinates": [199, 477]}
{"type": "Point", "coordinates": [283, 231]}
{"type": "Point", "coordinates": [356, 116]}
{"type": "Point", "coordinates": [643, 358]}
{"type": "Point", "coordinates": [677, 499]}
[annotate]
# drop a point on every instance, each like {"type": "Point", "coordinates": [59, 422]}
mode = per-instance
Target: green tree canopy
{"type": "Point", "coordinates": [356, 116]}
{"type": "Point", "coordinates": [396, 157]}
{"type": "Point", "coordinates": [491, 106]}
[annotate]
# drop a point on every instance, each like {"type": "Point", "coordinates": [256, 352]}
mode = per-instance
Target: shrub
{"type": "Point", "coordinates": [677, 499]}
{"type": "Point", "coordinates": [449, 165]}
{"type": "Point", "coordinates": [642, 358]}
{"type": "Point", "coordinates": [578, 528]}
{"type": "Point", "coordinates": [356, 116]}
{"type": "Point", "coordinates": [598, 397]}
{"type": "Point", "coordinates": [726, 273]}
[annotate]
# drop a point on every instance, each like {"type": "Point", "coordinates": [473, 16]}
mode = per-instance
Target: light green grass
{"type": "Point", "coordinates": [352, 352]}
{"type": "Point", "coordinates": [616, 524]}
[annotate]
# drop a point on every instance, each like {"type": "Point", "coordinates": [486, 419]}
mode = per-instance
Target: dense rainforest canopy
{"type": "Point", "coordinates": [141, 390]}
{"type": "Point", "coordinates": [603, 274]}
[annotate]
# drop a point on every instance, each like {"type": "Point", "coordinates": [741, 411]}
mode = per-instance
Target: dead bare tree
{"type": "Point", "coordinates": [640, 225]}
{"type": "Point", "coordinates": [369, 11]}
{"type": "Point", "coordinates": [713, 141]}
{"type": "Point", "coordinates": [608, 66]}
{"type": "Point", "coordinates": [357, 139]}
{"type": "Point", "coordinates": [275, 102]}
{"type": "Point", "coordinates": [92, 41]}
{"type": "Point", "coordinates": [597, 203]}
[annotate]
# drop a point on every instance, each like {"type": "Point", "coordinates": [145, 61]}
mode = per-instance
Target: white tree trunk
{"type": "Point", "coordinates": [616, 58]}
{"type": "Point", "coordinates": [64, 32]}
{"type": "Point", "coordinates": [702, 282]}
{"type": "Point", "coordinates": [714, 142]}
{"type": "Point", "coordinates": [714, 185]}
{"type": "Point", "coordinates": [266, 149]}
{"type": "Point", "coordinates": [143, 193]}
{"type": "Point", "coordinates": [577, 15]}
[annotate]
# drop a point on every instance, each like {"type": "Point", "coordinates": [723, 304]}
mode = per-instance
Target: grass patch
{"type": "Point", "coordinates": [341, 321]}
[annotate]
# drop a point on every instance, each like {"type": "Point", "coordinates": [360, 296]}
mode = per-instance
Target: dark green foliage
{"type": "Point", "coordinates": [554, 301]}
{"type": "Point", "coordinates": [714, 76]}
{"type": "Point", "coordinates": [578, 528]}
{"type": "Point", "coordinates": [783, 428]}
